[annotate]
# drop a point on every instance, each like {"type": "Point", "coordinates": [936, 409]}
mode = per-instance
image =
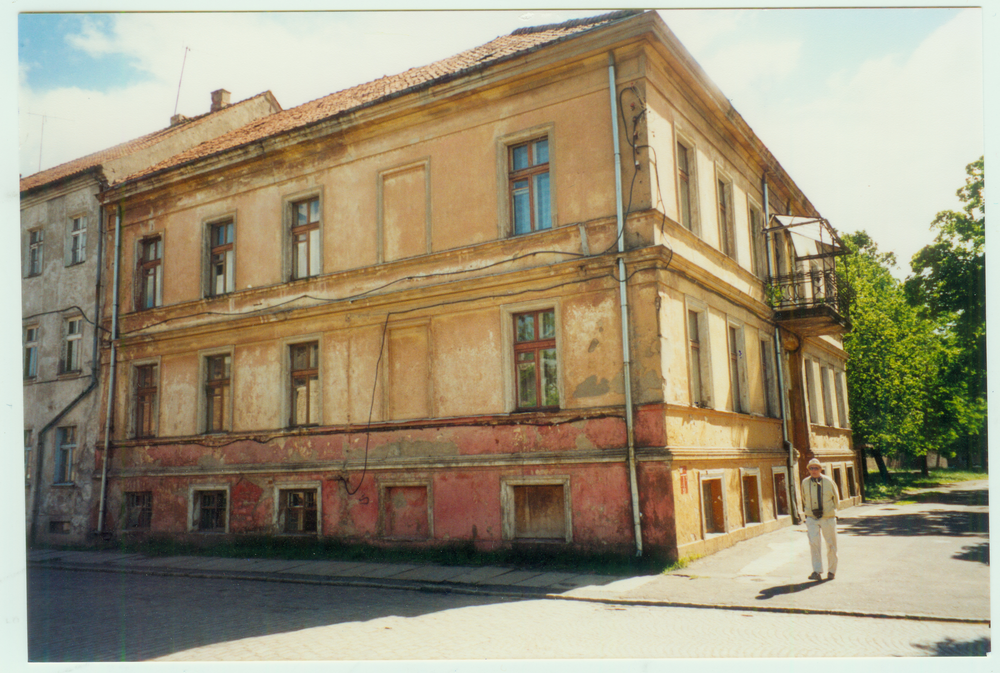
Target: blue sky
{"type": "Point", "coordinates": [860, 106]}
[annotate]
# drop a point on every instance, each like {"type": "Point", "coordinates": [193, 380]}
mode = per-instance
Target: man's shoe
{"type": "Point", "coordinates": [829, 576]}
{"type": "Point", "coordinates": [816, 576]}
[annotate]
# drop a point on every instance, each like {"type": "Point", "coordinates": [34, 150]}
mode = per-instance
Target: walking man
{"type": "Point", "coordinates": [820, 497]}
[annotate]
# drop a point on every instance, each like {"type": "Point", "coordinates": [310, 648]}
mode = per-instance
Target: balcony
{"type": "Point", "coordinates": [811, 304]}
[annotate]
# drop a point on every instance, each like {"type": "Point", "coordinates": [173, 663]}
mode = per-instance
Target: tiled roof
{"type": "Point", "coordinates": [91, 161]}
{"type": "Point", "coordinates": [521, 40]}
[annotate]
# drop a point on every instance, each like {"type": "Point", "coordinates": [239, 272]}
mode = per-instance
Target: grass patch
{"type": "Point", "coordinates": [909, 480]}
{"type": "Point", "coordinates": [536, 557]}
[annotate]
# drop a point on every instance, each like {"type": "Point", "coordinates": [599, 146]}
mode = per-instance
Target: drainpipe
{"type": "Point", "coordinates": [791, 463]}
{"type": "Point", "coordinates": [111, 374]}
{"type": "Point", "coordinates": [622, 288]}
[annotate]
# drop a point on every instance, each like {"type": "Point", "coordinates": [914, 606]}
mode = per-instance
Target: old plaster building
{"type": "Point", "coordinates": [62, 247]}
{"type": "Point", "coordinates": [395, 314]}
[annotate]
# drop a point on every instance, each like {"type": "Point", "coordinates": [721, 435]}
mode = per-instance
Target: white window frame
{"type": "Point", "coordinates": [72, 351]}
{"type": "Point", "coordinates": [383, 487]}
{"type": "Point", "coordinates": [712, 475]}
{"type": "Point", "coordinates": [64, 455]}
{"type": "Point", "coordinates": [788, 493]}
{"type": "Point", "coordinates": [29, 446]}
{"type": "Point", "coordinates": [32, 349]}
{"type": "Point", "coordinates": [280, 486]}
{"type": "Point", "coordinates": [839, 482]}
{"type": "Point", "coordinates": [208, 290]}
{"type": "Point", "coordinates": [755, 473]}
{"type": "Point", "coordinates": [288, 244]}
{"type": "Point", "coordinates": [505, 218]}
{"type": "Point", "coordinates": [741, 401]}
{"type": "Point", "coordinates": [507, 313]}
{"type": "Point", "coordinates": [76, 240]}
{"type": "Point", "coordinates": [509, 516]}
{"type": "Point", "coordinates": [203, 356]}
{"type": "Point", "coordinates": [707, 400]}
{"type": "Point", "coordinates": [194, 506]}
{"type": "Point", "coordinates": [34, 264]}
{"type": "Point", "coordinates": [727, 221]}
{"type": "Point", "coordinates": [681, 139]}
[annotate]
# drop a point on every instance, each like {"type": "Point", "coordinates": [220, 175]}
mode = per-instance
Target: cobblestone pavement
{"type": "Point", "coordinates": [95, 616]}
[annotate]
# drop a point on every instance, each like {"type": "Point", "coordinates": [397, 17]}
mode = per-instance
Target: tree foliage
{"type": "Point", "coordinates": [891, 349]}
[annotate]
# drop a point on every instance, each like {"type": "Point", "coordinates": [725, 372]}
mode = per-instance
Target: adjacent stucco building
{"type": "Point", "coordinates": [62, 249]}
{"type": "Point", "coordinates": [394, 314]}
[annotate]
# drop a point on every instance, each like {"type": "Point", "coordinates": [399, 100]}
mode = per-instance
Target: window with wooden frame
{"type": "Point", "coordinates": [852, 489]}
{"type": "Point", "coordinates": [727, 235]}
{"type": "Point", "coordinates": [29, 444]}
{"type": "Point", "coordinates": [221, 259]}
{"type": "Point", "coordinates": [146, 390]}
{"type": "Point", "coordinates": [297, 510]}
{"type": "Point", "coordinates": [306, 249]}
{"type": "Point", "coordinates": [757, 241]}
{"type": "Point", "coordinates": [750, 483]}
{"type": "Point", "coordinates": [30, 352]}
{"type": "Point", "coordinates": [36, 239]}
{"type": "Point", "coordinates": [737, 372]}
{"type": "Point", "coordinates": [530, 201]}
{"type": "Point", "coordinates": [779, 477]}
{"type": "Point", "coordinates": [210, 511]}
{"type": "Point", "coordinates": [138, 514]}
{"type": "Point", "coordinates": [77, 241]}
{"type": "Point", "coordinates": [684, 187]}
{"type": "Point", "coordinates": [150, 272]}
{"type": "Point", "coordinates": [218, 402]}
{"type": "Point", "coordinates": [810, 391]}
{"type": "Point", "coordinates": [824, 385]}
{"type": "Point", "coordinates": [72, 345]}
{"type": "Point", "coordinates": [65, 447]}
{"type": "Point", "coordinates": [843, 420]}
{"type": "Point", "coordinates": [536, 508]}
{"type": "Point", "coordinates": [305, 399]}
{"type": "Point", "coordinates": [698, 355]}
{"type": "Point", "coordinates": [767, 378]}
{"type": "Point", "coordinates": [713, 504]}
{"type": "Point", "coordinates": [535, 363]}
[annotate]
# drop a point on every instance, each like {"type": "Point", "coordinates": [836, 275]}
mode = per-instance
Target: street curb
{"type": "Point", "coordinates": [491, 590]}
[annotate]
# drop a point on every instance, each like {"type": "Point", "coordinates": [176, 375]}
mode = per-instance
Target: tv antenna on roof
{"type": "Point", "coordinates": [176, 102]}
{"type": "Point", "coordinates": [41, 136]}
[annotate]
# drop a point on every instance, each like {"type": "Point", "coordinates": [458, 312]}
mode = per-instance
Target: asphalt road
{"type": "Point", "coordinates": [105, 617]}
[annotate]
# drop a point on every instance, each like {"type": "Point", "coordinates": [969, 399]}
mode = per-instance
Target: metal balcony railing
{"type": "Point", "coordinates": [815, 289]}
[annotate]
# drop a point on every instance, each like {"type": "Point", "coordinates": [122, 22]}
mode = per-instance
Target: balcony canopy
{"type": "Point", "coordinates": [812, 237]}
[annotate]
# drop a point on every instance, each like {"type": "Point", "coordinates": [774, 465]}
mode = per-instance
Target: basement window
{"type": "Point", "coordinates": [298, 511]}
{"type": "Point", "coordinates": [138, 513]}
{"type": "Point", "coordinates": [210, 511]}
{"type": "Point", "coordinates": [713, 503]}
{"type": "Point", "coordinates": [751, 496]}
{"type": "Point", "coordinates": [537, 509]}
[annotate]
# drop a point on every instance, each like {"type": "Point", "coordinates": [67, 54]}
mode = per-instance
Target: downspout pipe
{"type": "Point", "coordinates": [623, 292]}
{"type": "Point", "coordinates": [791, 462]}
{"type": "Point", "coordinates": [111, 374]}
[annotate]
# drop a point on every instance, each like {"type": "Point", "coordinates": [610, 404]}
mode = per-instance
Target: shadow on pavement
{"type": "Point", "coordinates": [958, 648]}
{"type": "Point", "coordinates": [950, 523]}
{"type": "Point", "coordinates": [980, 497]}
{"type": "Point", "coordinates": [785, 589]}
{"type": "Point", "coordinates": [977, 552]}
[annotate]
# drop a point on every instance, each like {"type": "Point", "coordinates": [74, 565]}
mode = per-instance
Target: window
{"type": "Point", "coordinates": [780, 478]}
{"type": "Point", "coordinates": [217, 393]}
{"type": "Point", "coordinates": [145, 400]}
{"type": "Point", "coordinates": [852, 489]}
{"type": "Point", "coordinates": [138, 513]}
{"type": "Point", "coordinates": [727, 237]}
{"type": "Point", "coordinates": [535, 363]}
{"type": "Point", "coordinates": [65, 446]}
{"type": "Point", "coordinates": [737, 372]}
{"type": "Point", "coordinates": [698, 358]}
{"type": "Point", "coordinates": [60, 527]}
{"type": "Point", "coordinates": [529, 186]}
{"type": "Point", "coordinates": [811, 392]}
{"type": "Point", "coordinates": [305, 238]}
{"type": "Point", "coordinates": [824, 384]}
{"type": "Point", "coordinates": [31, 352]}
{"type": "Point", "coordinates": [767, 378]}
{"type": "Point", "coordinates": [838, 384]}
{"type": "Point", "coordinates": [757, 241]}
{"type": "Point", "coordinates": [751, 496]}
{"type": "Point", "coordinates": [536, 508]}
{"type": "Point", "coordinates": [35, 244]}
{"type": "Point", "coordinates": [297, 511]}
{"type": "Point", "coordinates": [684, 188]}
{"type": "Point", "coordinates": [210, 511]}
{"type": "Point", "coordinates": [150, 272]}
{"type": "Point", "coordinates": [221, 265]}
{"type": "Point", "coordinates": [305, 391]}
{"type": "Point", "coordinates": [713, 504]}
{"type": "Point", "coordinates": [77, 240]}
{"type": "Point", "coordinates": [73, 341]}
{"type": "Point", "coordinates": [29, 443]}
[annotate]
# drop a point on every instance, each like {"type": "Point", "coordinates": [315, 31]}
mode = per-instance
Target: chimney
{"type": "Point", "coordinates": [177, 119]}
{"type": "Point", "coordinates": [220, 99]}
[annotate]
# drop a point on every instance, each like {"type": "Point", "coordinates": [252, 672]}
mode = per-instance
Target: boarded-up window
{"type": "Point", "coordinates": [713, 506]}
{"type": "Point", "coordinates": [780, 494]}
{"type": "Point", "coordinates": [540, 512]}
{"type": "Point", "coordinates": [751, 499]}
{"type": "Point", "coordinates": [405, 512]}
{"type": "Point", "coordinates": [404, 213]}
{"type": "Point", "coordinates": [409, 373]}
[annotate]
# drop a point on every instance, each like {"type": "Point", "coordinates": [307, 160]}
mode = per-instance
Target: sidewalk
{"type": "Point", "coordinates": [928, 560]}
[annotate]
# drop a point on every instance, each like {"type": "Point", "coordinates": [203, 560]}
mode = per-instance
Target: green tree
{"type": "Point", "coordinates": [949, 286]}
{"type": "Point", "coordinates": [891, 349]}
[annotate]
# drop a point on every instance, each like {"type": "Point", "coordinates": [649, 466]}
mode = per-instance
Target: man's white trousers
{"type": "Point", "coordinates": [828, 528]}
